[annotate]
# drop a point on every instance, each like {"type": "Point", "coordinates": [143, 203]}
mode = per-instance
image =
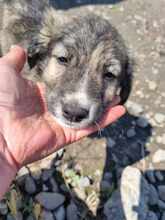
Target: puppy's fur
{"type": "Point", "coordinates": [81, 59]}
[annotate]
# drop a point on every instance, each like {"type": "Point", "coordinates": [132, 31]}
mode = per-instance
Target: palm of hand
{"type": "Point", "coordinates": [28, 130]}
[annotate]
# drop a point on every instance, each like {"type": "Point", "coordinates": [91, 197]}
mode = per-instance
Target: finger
{"type": "Point", "coordinates": [16, 57]}
{"type": "Point", "coordinates": [111, 115]}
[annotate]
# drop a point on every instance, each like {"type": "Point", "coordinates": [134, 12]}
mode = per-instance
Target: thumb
{"type": "Point", "coordinates": [16, 58]}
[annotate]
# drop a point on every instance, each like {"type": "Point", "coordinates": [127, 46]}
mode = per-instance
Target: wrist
{"type": "Point", "coordinates": [8, 168]}
{"type": "Point", "coordinates": [7, 174]}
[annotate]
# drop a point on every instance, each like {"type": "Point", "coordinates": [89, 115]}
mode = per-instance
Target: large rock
{"type": "Point", "coordinates": [134, 194]}
{"type": "Point", "coordinates": [130, 201]}
{"type": "Point", "coordinates": [50, 201]}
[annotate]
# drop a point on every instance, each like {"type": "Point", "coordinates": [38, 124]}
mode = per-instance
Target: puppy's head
{"type": "Point", "coordinates": [84, 65]}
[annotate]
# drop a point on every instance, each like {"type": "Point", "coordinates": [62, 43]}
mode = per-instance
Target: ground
{"type": "Point", "coordinates": [119, 173]}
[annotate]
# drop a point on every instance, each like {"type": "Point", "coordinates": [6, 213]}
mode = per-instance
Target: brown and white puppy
{"type": "Point", "coordinates": [81, 59]}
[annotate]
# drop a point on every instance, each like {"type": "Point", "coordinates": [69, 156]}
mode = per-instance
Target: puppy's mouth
{"type": "Point", "coordinates": [83, 119]}
{"type": "Point", "coordinates": [77, 121]}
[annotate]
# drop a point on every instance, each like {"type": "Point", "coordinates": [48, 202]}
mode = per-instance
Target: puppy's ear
{"type": "Point", "coordinates": [36, 51]}
{"type": "Point", "coordinates": [126, 82]}
{"type": "Point", "coordinates": [51, 30]}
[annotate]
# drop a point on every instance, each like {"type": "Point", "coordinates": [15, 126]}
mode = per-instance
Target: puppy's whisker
{"type": "Point", "coordinates": [99, 129]}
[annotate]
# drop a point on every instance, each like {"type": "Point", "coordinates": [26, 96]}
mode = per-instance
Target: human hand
{"type": "Point", "coordinates": [28, 132]}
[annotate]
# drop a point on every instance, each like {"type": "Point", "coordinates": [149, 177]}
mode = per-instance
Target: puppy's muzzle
{"type": "Point", "coordinates": [74, 112]}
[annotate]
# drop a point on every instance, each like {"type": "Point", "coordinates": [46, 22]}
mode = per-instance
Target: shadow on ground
{"type": "Point", "coordinates": [60, 4]}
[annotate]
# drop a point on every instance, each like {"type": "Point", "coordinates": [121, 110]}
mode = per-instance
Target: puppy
{"type": "Point", "coordinates": [82, 60]}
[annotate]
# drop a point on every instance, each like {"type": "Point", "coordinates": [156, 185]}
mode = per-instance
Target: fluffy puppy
{"type": "Point", "coordinates": [82, 60]}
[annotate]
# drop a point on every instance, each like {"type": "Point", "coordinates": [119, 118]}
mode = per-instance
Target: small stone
{"type": "Point", "coordinates": [152, 85]}
{"type": "Point", "coordinates": [159, 139]}
{"type": "Point", "coordinates": [64, 188]}
{"type": "Point", "coordinates": [113, 207]}
{"type": "Point", "coordinates": [47, 174]}
{"type": "Point", "coordinates": [10, 217]}
{"type": "Point", "coordinates": [161, 191]}
{"type": "Point", "coordinates": [84, 182]}
{"type": "Point", "coordinates": [72, 212]}
{"type": "Point", "coordinates": [110, 142]}
{"type": "Point", "coordinates": [121, 9]}
{"type": "Point", "coordinates": [163, 139]}
{"type": "Point", "coordinates": [60, 153]}
{"type": "Point", "coordinates": [30, 186]}
{"type": "Point", "coordinates": [131, 133]}
{"type": "Point", "coordinates": [47, 215]}
{"type": "Point", "coordinates": [105, 185]}
{"type": "Point", "coordinates": [54, 185]}
{"type": "Point", "coordinates": [159, 118]}
{"type": "Point", "coordinates": [50, 201]}
{"type": "Point", "coordinates": [142, 122]}
{"type": "Point", "coordinates": [30, 217]}
{"type": "Point", "coordinates": [36, 175]}
{"type": "Point", "coordinates": [23, 171]}
{"type": "Point", "coordinates": [161, 204]}
{"type": "Point", "coordinates": [150, 175]}
{"type": "Point", "coordinates": [134, 108]}
{"type": "Point", "coordinates": [78, 168]}
{"type": "Point", "coordinates": [151, 216]}
{"type": "Point", "coordinates": [80, 193]}
{"type": "Point", "coordinates": [153, 195]}
{"type": "Point", "coordinates": [19, 216]}
{"type": "Point", "coordinates": [159, 156]}
{"type": "Point", "coordinates": [159, 176]}
{"type": "Point", "coordinates": [98, 173]}
{"type": "Point", "coordinates": [107, 176]}
{"type": "Point", "coordinates": [45, 188]}
{"type": "Point", "coordinates": [155, 71]}
{"type": "Point", "coordinates": [60, 213]}
{"type": "Point", "coordinates": [3, 208]}
{"type": "Point", "coordinates": [163, 216]}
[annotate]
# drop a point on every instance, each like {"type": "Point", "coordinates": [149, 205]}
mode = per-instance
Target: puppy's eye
{"type": "Point", "coordinates": [62, 60]}
{"type": "Point", "coordinates": [113, 70]}
{"type": "Point", "coordinates": [109, 75]}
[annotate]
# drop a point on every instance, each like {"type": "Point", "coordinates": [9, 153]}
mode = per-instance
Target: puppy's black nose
{"type": "Point", "coordinates": [74, 113]}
